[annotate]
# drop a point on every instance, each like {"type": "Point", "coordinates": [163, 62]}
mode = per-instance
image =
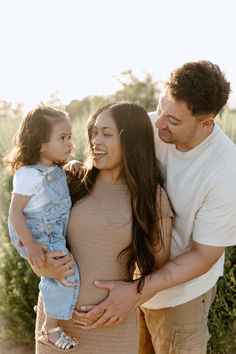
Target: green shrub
{"type": "Point", "coordinates": [222, 317]}
{"type": "Point", "coordinates": [19, 285]}
{"type": "Point", "coordinates": [19, 294]}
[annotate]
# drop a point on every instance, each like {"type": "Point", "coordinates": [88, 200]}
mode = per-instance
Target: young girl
{"type": "Point", "coordinates": [39, 211]}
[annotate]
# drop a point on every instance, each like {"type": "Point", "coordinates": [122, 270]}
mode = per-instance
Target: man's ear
{"type": "Point", "coordinates": [208, 123]}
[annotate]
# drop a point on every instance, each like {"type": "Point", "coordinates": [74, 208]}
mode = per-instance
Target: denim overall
{"type": "Point", "coordinates": [48, 226]}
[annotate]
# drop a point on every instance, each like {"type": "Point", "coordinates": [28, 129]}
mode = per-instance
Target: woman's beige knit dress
{"type": "Point", "coordinates": [99, 229]}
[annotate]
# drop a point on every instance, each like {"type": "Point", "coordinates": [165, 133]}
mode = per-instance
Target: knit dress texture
{"type": "Point", "coordinates": [99, 229]}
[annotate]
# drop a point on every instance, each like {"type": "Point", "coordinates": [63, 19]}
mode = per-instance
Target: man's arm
{"type": "Point", "coordinates": [123, 297]}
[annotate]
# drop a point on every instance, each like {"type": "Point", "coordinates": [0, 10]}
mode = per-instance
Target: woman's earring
{"type": "Point", "coordinates": [121, 132]}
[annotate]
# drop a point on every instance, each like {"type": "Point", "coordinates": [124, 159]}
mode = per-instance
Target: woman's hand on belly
{"type": "Point", "coordinates": [81, 321]}
{"type": "Point", "coordinates": [57, 268]}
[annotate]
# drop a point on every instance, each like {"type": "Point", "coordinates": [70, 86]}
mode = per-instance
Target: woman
{"type": "Point", "coordinates": [121, 218]}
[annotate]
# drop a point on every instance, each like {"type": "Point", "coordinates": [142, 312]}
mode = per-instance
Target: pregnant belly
{"type": "Point", "coordinates": [89, 294]}
{"type": "Point", "coordinates": [97, 265]}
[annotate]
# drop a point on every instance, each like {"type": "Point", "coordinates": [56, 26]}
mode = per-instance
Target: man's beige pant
{"type": "Point", "coordinates": [176, 330]}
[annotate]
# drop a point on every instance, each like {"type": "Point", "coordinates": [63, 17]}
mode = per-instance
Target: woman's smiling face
{"type": "Point", "coordinates": [106, 145]}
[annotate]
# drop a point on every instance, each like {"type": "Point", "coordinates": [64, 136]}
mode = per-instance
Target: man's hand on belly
{"type": "Point", "coordinates": [123, 299]}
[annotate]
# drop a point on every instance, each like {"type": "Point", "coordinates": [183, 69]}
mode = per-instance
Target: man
{"type": "Point", "coordinates": [200, 165]}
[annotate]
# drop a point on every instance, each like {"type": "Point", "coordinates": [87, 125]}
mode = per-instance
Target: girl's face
{"type": "Point", "coordinates": [59, 146]}
{"type": "Point", "coordinates": [107, 151]}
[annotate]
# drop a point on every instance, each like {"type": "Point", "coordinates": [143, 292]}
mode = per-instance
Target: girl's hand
{"type": "Point", "coordinates": [73, 166]}
{"type": "Point", "coordinates": [36, 253]}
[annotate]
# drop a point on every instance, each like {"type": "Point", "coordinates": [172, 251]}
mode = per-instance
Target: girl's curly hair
{"type": "Point", "coordinates": [35, 129]}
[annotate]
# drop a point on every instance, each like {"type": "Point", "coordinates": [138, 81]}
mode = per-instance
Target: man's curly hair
{"type": "Point", "coordinates": [201, 85]}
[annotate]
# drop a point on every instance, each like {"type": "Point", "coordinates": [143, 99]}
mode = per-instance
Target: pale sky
{"type": "Point", "coordinates": [75, 47]}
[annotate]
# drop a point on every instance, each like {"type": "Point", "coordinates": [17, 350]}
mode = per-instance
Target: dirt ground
{"type": "Point", "coordinates": [6, 347]}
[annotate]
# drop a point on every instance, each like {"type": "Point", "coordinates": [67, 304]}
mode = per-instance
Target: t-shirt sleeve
{"type": "Point", "coordinates": [27, 181]}
{"type": "Point", "coordinates": [215, 222]}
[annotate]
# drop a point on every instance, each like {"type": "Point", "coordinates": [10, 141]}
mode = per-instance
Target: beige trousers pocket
{"type": "Point", "coordinates": [190, 338]}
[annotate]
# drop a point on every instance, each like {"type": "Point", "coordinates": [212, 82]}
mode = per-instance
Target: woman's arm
{"type": "Point", "coordinates": [165, 226]}
{"type": "Point", "coordinates": [162, 254]}
{"type": "Point", "coordinates": [162, 249]}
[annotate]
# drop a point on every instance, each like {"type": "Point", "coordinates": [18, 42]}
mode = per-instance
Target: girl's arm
{"type": "Point", "coordinates": [33, 248]}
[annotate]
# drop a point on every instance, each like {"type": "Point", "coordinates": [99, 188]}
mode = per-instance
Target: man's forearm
{"type": "Point", "coordinates": [181, 269]}
{"type": "Point", "coordinates": [124, 298]}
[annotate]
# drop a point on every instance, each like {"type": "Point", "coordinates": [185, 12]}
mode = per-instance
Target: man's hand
{"type": "Point", "coordinates": [123, 299]}
{"type": "Point", "coordinates": [57, 268]}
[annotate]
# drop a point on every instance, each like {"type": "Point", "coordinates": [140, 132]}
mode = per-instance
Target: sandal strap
{"type": "Point", "coordinates": [65, 342]}
{"type": "Point", "coordinates": [46, 332]}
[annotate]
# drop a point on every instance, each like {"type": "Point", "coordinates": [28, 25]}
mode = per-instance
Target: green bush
{"type": "Point", "coordinates": [222, 317]}
{"type": "Point", "coordinates": [19, 285]}
{"type": "Point", "coordinates": [19, 294]}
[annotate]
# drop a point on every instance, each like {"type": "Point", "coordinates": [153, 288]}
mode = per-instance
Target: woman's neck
{"type": "Point", "coordinates": [111, 178]}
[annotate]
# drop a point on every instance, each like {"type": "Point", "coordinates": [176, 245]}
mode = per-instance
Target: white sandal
{"type": "Point", "coordinates": [63, 344]}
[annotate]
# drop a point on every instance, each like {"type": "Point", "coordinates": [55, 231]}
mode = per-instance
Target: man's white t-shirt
{"type": "Point", "coordinates": [201, 184]}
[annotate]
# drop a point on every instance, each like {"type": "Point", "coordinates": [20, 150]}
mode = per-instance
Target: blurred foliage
{"type": "Point", "coordinates": [227, 121]}
{"type": "Point", "coordinates": [222, 317]}
{"type": "Point", "coordinates": [144, 92]}
{"type": "Point", "coordinates": [19, 293]}
{"type": "Point", "coordinates": [9, 120]}
{"type": "Point", "coordinates": [19, 285]}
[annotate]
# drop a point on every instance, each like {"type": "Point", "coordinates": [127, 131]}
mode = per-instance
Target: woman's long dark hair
{"type": "Point", "coordinates": [143, 175]}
